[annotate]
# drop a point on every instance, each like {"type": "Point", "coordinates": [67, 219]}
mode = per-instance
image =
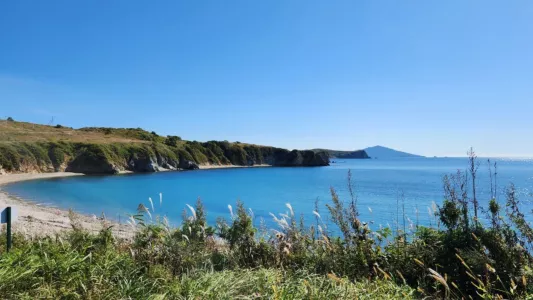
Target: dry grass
{"type": "Point", "coordinates": [29, 132]}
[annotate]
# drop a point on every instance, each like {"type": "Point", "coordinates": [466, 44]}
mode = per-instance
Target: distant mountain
{"type": "Point", "coordinates": [384, 152]}
{"type": "Point", "coordinates": [344, 154]}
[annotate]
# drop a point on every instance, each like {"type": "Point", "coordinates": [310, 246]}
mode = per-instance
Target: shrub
{"type": "Point", "coordinates": [9, 157]}
{"type": "Point", "coordinates": [172, 140]}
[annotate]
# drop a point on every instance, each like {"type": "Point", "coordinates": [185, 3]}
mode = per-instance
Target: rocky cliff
{"type": "Point", "coordinates": [111, 158]}
{"type": "Point", "coordinates": [29, 147]}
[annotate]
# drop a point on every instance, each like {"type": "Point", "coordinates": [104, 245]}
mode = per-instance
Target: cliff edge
{"type": "Point", "coordinates": [27, 147]}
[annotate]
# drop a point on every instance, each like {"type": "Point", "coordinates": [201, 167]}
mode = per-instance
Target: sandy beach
{"type": "Point", "coordinates": [9, 178]}
{"type": "Point", "coordinates": [39, 220]}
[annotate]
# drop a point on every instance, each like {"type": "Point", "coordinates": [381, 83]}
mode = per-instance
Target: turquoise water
{"type": "Point", "coordinates": [378, 184]}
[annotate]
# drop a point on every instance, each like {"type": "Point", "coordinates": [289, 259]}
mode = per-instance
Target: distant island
{"type": "Point", "coordinates": [34, 148]}
{"type": "Point", "coordinates": [384, 152]}
{"type": "Point", "coordinates": [359, 154]}
{"type": "Point", "coordinates": [370, 152]}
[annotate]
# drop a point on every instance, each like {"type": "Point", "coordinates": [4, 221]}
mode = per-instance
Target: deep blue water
{"type": "Point", "coordinates": [378, 184]}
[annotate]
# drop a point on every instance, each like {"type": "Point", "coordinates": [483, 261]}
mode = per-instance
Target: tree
{"type": "Point", "coordinates": [10, 119]}
{"type": "Point", "coordinates": [172, 140]}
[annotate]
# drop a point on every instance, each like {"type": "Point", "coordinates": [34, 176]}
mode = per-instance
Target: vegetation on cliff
{"type": "Point", "coordinates": [31, 147]}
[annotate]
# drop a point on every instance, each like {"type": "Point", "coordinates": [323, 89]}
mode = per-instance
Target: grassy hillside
{"type": "Point", "coordinates": [27, 147]}
{"type": "Point", "coordinates": [12, 131]}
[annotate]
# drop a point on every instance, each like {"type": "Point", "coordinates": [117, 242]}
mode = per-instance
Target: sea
{"type": "Point", "coordinates": [385, 190]}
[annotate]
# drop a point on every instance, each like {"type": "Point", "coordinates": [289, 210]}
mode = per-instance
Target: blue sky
{"type": "Point", "coordinates": [429, 77]}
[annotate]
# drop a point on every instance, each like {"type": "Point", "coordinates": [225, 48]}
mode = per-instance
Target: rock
{"type": "Point", "coordinates": [251, 161]}
{"type": "Point", "coordinates": [104, 168]}
{"type": "Point", "coordinates": [143, 164]}
{"type": "Point", "coordinates": [316, 159]}
{"type": "Point", "coordinates": [151, 167]}
{"type": "Point", "coordinates": [188, 165]}
{"type": "Point", "coordinates": [168, 166]}
{"type": "Point", "coordinates": [91, 163]}
{"type": "Point", "coordinates": [297, 158]}
{"type": "Point", "coordinates": [163, 161]}
{"type": "Point", "coordinates": [131, 164]}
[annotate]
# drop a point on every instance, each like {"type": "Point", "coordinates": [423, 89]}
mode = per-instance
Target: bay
{"type": "Point", "coordinates": [385, 189]}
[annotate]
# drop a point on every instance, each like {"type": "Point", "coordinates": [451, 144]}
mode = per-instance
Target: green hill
{"type": "Point", "coordinates": [28, 147]}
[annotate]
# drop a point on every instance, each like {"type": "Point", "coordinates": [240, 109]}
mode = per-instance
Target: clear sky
{"type": "Point", "coordinates": [428, 77]}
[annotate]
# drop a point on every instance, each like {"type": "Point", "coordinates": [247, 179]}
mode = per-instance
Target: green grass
{"type": "Point", "coordinates": [79, 265]}
{"type": "Point", "coordinates": [276, 284]}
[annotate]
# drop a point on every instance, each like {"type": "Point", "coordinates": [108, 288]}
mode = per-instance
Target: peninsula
{"type": "Point", "coordinates": [34, 148]}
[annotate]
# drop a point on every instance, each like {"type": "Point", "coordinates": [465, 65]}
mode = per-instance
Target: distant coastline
{"type": "Point", "coordinates": [385, 152]}
{"type": "Point", "coordinates": [34, 148]}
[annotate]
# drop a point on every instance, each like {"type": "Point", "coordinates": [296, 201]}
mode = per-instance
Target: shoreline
{"type": "Point", "coordinates": [18, 177]}
{"type": "Point", "coordinates": [209, 167]}
{"type": "Point", "coordinates": [36, 219]}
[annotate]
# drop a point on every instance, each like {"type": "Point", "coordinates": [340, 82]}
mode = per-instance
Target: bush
{"type": "Point", "coordinates": [172, 140]}
{"type": "Point", "coordinates": [9, 158]}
